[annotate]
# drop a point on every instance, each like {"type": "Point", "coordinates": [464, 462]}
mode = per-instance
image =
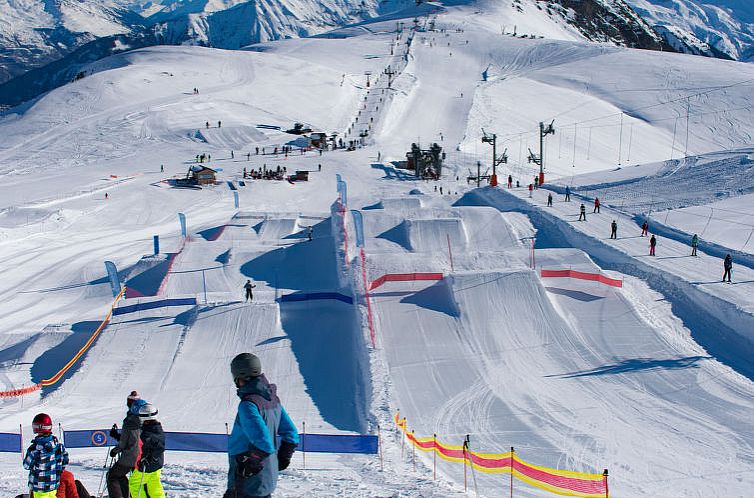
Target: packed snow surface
{"type": "Point", "coordinates": [652, 380]}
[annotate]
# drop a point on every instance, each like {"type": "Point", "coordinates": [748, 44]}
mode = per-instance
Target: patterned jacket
{"type": "Point", "coordinates": [45, 460]}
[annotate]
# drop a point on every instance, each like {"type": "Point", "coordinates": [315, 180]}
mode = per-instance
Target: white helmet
{"type": "Point", "coordinates": [147, 411]}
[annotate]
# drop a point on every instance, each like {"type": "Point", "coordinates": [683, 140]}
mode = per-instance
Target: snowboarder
{"type": "Point", "coordinates": [596, 205]}
{"type": "Point", "coordinates": [145, 479]}
{"type": "Point", "coordinates": [162, 168]}
{"type": "Point", "coordinates": [219, 124]}
{"type": "Point", "coordinates": [644, 228]}
{"type": "Point", "coordinates": [232, 155]}
{"type": "Point", "coordinates": [254, 454]}
{"type": "Point", "coordinates": [441, 190]}
{"type": "Point", "coordinates": [319, 167]}
{"type": "Point", "coordinates": [257, 150]}
{"type": "Point", "coordinates": [531, 188]}
{"type": "Point", "coordinates": [694, 244]}
{"type": "Point", "coordinates": [207, 124]}
{"type": "Point", "coordinates": [582, 212]}
{"type": "Point", "coordinates": [309, 233]}
{"type": "Point", "coordinates": [568, 194]}
{"type": "Point", "coordinates": [106, 196]}
{"type": "Point", "coordinates": [244, 172]}
{"type": "Point", "coordinates": [248, 156]}
{"type": "Point", "coordinates": [549, 199]}
{"type": "Point", "coordinates": [248, 286]}
{"type": "Point", "coordinates": [127, 448]}
{"type": "Point", "coordinates": [45, 459]}
{"type": "Point", "coordinates": [652, 245]}
{"type": "Point", "coordinates": [614, 230]}
{"type": "Point", "coordinates": [510, 181]}
{"type": "Point", "coordinates": [727, 266]}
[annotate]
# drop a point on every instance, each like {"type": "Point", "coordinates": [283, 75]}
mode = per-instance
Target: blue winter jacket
{"type": "Point", "coordinates": [45, 460]}
{"type": "Point", "coordinates": [260, 418]}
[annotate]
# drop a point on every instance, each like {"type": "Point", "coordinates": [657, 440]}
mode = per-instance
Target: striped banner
{"type": "Point", "coordinates": [404, 277]}
{"type": "Point", "coordinates": [595, 277]}
{"type": "Point", "coordinates": [561, 482]}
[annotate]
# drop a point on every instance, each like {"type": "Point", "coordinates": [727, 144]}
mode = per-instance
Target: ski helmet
{"type": "Point", "coordinates": [134, 396]}
{"type": "Point", "coordinates": [42, 424]}
{"type": "Point", "coordinates": [245, 365]}
{"type": "Point", "coordinates": [147, 411]}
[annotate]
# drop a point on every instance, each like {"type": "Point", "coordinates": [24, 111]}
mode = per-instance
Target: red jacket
{"type": "Point", "coordinates": [67, 488]}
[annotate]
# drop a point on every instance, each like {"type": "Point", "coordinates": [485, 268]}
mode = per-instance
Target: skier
{"type": "Point", "coordinates": [531, 188]}
{"type": "Point", "coordinates": [248, 286]}
{"type": "Point", "coordinates": [45, 459]}
{"type": "Point", "coordinates": [582, 212]}
{"type": "Point", "coordinates": [440, 190]}
{"type": "Point", "coordinates": [219, 124]}
{"type": "Point", "coordinates": [127, 448]}
{"type": "Point", "coordinates": [207, 124]}
{"type": "Point", "coordinates": [568, 194]}
{"type": "Point", "coordinates": [694, 244]}
{"type": "Point", "coordinates": [248, 156]}
{"type": "Point", "coordinates": [614, 230]}
{"type": "Point", "coordinates": [596, 205]}
{"type": "Point", "coordinates": [253, 443]}
{"type": "Point", "coordinates": [652, 244]}
{"type": "Point", "coordinates": [309, 233]}
{"type": "Point", "coordinates": [319, 167]}
{"type": "Point", "coordinates": [510, 181]}
{"type": "Point", "coordinates": [232, 155]}
{"type": "Point", "coordinates": [145, 479]}
{"type": "Point", "coordinates": [727, 266]}
{"type": "Point", "coordinates": [162, 168]}
{"type": "Point", "coordinates": [106, 196]}
{"type": "Point", "coordinates": [256, 149]}
{"type": "Point", "coordinates": [549, 199]}
{"type": "Point", "coordinates": [644, 228]}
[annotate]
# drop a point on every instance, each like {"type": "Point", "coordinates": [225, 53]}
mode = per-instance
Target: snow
{"type": "Point", "coordinates": [652, 381]}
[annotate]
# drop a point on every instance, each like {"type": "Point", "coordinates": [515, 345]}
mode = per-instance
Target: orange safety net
{"type": "Point", "coordinates": [561, 482]}
{"type": "Point", "coordinates": [55, 378]}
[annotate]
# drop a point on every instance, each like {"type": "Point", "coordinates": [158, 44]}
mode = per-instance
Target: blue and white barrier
{"type": "Point", "coordinates": [10, 443]}
{"type": "Point", "coordinates": [312, 296]}
{"type": "Point", "coordinates": [162, 303]}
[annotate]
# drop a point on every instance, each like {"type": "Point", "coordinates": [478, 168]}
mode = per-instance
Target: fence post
{"type": "Point", "coordinates": [434, 457]}
{"type": "Point", "coordinates": [471, 464]}
{"type": "Point", "coordinates": [465, 485]}
{"type": "Point", "coordinates": [303, 443]}
{"type": "Point", "coordinates": [413, 449]}
{"type": "Point", "coordinates": [607, 491]}
{"type": "Point", "coordinates": [450, 252]}
{"type": "Point", "coordinates": [403, 437]}
{"type": "Point", "coordinates": [379, 447]}
{"type": "Point", "coordinates": [513, 456]}
{"type": "Point", "coordinates": [21, 432]}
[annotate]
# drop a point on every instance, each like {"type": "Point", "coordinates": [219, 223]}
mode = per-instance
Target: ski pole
{"type": "Point", "coordinates": [102, 476]}
{"type": "Point", "coordinates": [141, 482]}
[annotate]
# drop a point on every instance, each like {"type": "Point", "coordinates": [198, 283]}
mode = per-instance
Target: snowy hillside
{"type": "Point", "coordinates": [469, 339]}
{"type": "Point", "coordinates": [717, 28]}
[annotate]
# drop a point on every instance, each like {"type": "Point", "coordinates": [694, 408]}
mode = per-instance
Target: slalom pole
{"type": "Point", "coordinates": [413, 450]}
{"type": "Point", "coordinates": [141, 483]}
{"type": "Point", "coordinates": [303, 443]}
{"type": "Point", "coordinates": [465, 485]}
{"type": "Point", "coordinates": [21, 435]}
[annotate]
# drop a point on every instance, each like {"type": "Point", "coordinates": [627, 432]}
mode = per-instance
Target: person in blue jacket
{"type": "Point", "coordinates": [253, 453]}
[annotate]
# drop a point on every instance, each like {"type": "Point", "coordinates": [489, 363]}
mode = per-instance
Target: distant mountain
{"type": "Point", "coordinates": [716, 28]}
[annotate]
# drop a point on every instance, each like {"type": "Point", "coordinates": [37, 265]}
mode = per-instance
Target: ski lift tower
{"type": "Point", "coordinates": [503, 159]}
{"type": "Point", "coordinates": [533, 158]}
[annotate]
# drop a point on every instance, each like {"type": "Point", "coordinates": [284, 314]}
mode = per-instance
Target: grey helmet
{"type": "Point", "coordinates": [147, 411]}
{"type": "Point", "coordinates": [245, 365]}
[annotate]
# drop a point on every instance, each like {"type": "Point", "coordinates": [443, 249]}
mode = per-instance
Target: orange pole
{"type": "Point", "coordinates": [607, 492]}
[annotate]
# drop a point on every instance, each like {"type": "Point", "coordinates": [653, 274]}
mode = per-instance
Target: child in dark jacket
{"type": "Point", "coordinates": [145, 480]}
{"type": "Point", "coordinates": [45, 459]}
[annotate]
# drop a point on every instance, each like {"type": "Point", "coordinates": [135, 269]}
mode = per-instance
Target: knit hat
{"type": "Point", "coordinates": [131, 398]}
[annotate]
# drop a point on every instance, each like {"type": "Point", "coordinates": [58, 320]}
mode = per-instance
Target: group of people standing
{"type": "Point", "coordinates": [260, 445]}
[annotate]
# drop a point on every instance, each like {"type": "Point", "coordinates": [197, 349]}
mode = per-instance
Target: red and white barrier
{"type": "Point", "coordinates": [596, 277]}
{"type": "Point", "coordinates": [404, 277]}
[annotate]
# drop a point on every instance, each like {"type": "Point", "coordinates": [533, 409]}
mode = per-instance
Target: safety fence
{"type": "Point", "coordinates": [561, 482]}
{"type": "Point", "coordinates": [596, 277]}
{"type": "Point", "coordinates": [363, 444]}
{"type": "Point", "coordinates": [59, 375]}
{"type": "Point", "coordinates": [404, 277]}
{"type": "Point", "coordinates": [314, 296]}
{"type": "Point", "coordinates": [162, 303]}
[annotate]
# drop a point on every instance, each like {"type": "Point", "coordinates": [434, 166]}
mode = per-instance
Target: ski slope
{"type": "Point", "coordinates": [652, 381]}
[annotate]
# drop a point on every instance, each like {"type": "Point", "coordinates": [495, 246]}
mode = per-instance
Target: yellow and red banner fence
{"type": "Point", "coordinates": [56, 378]}
{"type": "Point", "coordinates": [561, 482]}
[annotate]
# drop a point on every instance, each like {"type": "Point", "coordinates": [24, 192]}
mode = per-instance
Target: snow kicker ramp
{"type": "Point", "coordinates": [490, 355]}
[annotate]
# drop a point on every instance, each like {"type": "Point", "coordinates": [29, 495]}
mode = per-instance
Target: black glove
{"type": "Point", "coordinates": [250, 463]}
{"type": "Point", "coordinates": [114, 452]}
{"type": "Point", "coordinates": [114, 432]}
{"type": "Point", "coordinates": [285, 452]}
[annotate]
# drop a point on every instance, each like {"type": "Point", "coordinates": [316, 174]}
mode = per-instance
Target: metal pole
{"type": "Point", "coordinates": [513, 456]}
{"type": "Point", "coordinates": [303, 443]}
{"type": "Point", "coordinates": [204, 283]}
{"type": "Point", "coordinates": [379, 446]}
{"type": "Point", "coordinates": [688, 110]}
{"type": "Point", "coordinates": [541, 153]}
{"type": "Point", "coordinates": [607, 491]}
{"type": "Point", "coordinates": [620, 138]}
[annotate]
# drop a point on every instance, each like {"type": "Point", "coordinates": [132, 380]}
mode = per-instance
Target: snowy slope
{"type": "Point", "coordinates": [574, 375]}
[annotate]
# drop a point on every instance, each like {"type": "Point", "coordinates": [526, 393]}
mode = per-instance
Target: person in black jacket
{"type": "Point", "coordinates": [145, 480]}
{"type": "Point", "coordinates": [727, 266]}
{"type": "Point", "coordinates": [127, 449]}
